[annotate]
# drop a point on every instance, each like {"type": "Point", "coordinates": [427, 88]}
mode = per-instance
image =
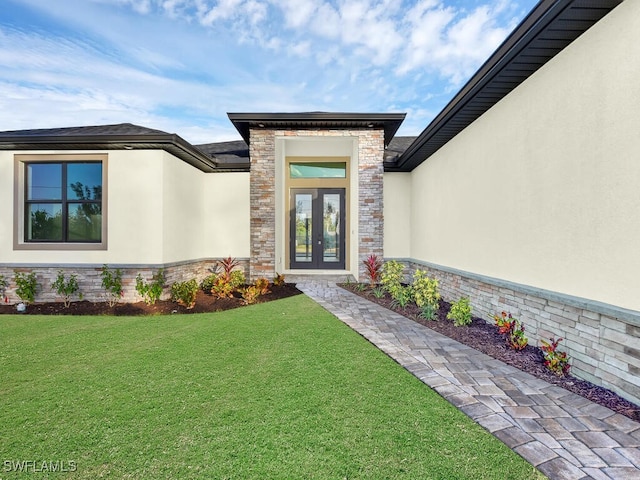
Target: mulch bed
{"type": "Point", "coordinates": [204, 303]}
{"type": "Point", "coordinates": [485, 337]}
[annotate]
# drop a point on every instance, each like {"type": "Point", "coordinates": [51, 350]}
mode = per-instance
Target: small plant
{"type": "Point", "coordinates": [401, 297]}
{"type": "Point", "coordinates": [65, 288]}
{"type": "Point", "coordinates": [554, 360]}
{"type": "Point", "coordinates": [373, 266]}
{"type": "Point", "coordinates": [428, 312]}
{"type": "Point", "coordinates": [378, 292]}
{"type": "Point", "coordinates": [360, 287]}
{"type": "Point", "coordinates": [4, 284]}
{"type": "Point", "coordinates": [222, 288]}
{"type": "Point", "coordinates": [460, 312]}
{"type": "Point", "coordinates": [505, 323]}
{"type": "Point", "coordinates": [278, 280]}
{"type": "Point", "coordinates": [250, 294]}
{"type": "Point", "coordinates": [425, 290]}
{"type": "Point", "coordinates": [391, 276]}
{"type": "Point", "coordinates": [262, 284]}
{"type": "Point", "coordinates": [227, 265]}
{"type": "Point", "coordinates": [512, 329]}
{"type": "Point", "coordinates": [516, 338]}
{"type": "Point", "coordinates": [27, 286]}
{"type": "Point", "coordinates": [236, 279]}
{"type": "Point", "coordinates": [184, 293]}
{"type": "Point", "coordinates": [112, 283]}
{"type": "Point", "coordinates": [207, 284]}
{"type": "Point", "coordinates": [151, 291]}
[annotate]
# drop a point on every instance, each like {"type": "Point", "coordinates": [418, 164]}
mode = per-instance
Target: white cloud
{"type": "Point", "coordinates": [180, 65]}
{"type": "Point", "coordinates": [452, 42]}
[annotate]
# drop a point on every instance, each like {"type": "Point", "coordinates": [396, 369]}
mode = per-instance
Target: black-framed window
{"type": "Point", "coordinates": [63, 202]}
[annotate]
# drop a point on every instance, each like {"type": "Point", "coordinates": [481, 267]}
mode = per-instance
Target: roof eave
{"type": "Point", "coordinates": [171, 143]}
{"type": "Point", "coordinates": [545, 12]}
{"type": "Point", "coordinates": [389, 122]}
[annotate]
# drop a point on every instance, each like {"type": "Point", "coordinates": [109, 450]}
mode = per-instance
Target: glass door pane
{"type": "Point", "coordinates": [331, 228]}
{"type": "Point", "coordinates": [303, 227]}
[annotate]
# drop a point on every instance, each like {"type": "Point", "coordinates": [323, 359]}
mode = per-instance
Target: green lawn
{"type": "Point", "coordinates": [278, 390]}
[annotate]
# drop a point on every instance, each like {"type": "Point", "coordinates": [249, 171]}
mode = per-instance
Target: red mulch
{"type": "Point", "coordinates": [485, 337]}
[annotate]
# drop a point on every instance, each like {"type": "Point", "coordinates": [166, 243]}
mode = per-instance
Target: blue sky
{"type": "Point", "coordinates": [181, 65]}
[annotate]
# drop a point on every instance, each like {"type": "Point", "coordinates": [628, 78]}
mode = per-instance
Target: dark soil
{"type": "Point", "coordinates": [485, 337]}
{"type": "Point", "coordinates": [204, 303]}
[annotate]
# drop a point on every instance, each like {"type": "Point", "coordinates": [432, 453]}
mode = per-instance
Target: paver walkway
{"type": "Point", "coordinates": [562, 434]}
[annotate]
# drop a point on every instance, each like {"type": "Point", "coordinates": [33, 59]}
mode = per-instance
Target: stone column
{"type": "Point", "coordinates": [263, 204]}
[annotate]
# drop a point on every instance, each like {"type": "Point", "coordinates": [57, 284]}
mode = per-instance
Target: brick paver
{"type": "Point", "coordinates": [564, 435]}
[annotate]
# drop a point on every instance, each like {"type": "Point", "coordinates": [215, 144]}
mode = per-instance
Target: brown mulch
{"type": "Point", "coordinates": [204, 303]}
{"type": "Point", "coordinates": [485, 337]}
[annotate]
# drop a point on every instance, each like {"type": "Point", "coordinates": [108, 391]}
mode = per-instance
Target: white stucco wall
{"type": "Point", "coordinates": [160, 210]}
{"type": "Point", "coordinates": [204, 215]}
{"type": "Point", "coordinates": [543, 189]}
{"type": "Point", "coordinates": [397, 215]}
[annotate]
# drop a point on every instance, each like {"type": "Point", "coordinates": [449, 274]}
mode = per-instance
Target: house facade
{"type": "Point", "coordinates": [521, 194]}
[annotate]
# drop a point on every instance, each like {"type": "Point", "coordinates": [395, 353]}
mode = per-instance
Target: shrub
{"type": "Point", "coordinates": [236, 279]}
{"type": "Point", "coordinates": [262, 284]}
{"type": "Point", "coordinates": [425, 290]}
{"type": "Point", "coordinates": [222, 288]}
{"type": "Point", "coordinates": [4, 284]}
{"type": "Point", "coordinates": [516, 338]}
{"type": "Point", "coordinates": [428, 311]}
{"type": "Point", "coordinates": [227, 265]}
{"type": "Point", "coordinates": [250, 294]}
{"type": "Point", "coordinates": [557, 362]}
{"type": "Point", "coordinates": [278, 280]}
{"type": "Point", "coordinates": [151, 292]}
{"type": "Point", "coordinates": [184, 293]}
{"type": "Point", "coordinates": [112, 283]}
{"type": "Point", "coordinates": [66, 288]}
{"type": "Point", "coordinates": [401, 297]}
{"type": "Point", "coordinates": [513, 329]}
{"type": "Point", "coordinates": [27, 286]}
{"type": "Point", "coordinates": [391, 276]}
{"type": "Point", "coordinates": [460, 312]}
{"type": "Point", "coordinates": [391, 279]}
{"type": "Point", "coordinates": [207, 284]}
{"type": "Point", "coordinates": [504, 322]}
{"type": "Point", "coordinates": [373, 266]}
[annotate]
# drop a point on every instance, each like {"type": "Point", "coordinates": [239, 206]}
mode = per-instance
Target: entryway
{"type": "Point", "coordinates": [317, 228]}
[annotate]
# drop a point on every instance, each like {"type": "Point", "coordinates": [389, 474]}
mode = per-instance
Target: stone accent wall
{"type": "Point", "coordinates": [370, 201]}
{"type": "Point", "coordinates": [90, 278]}
{"type": "Point", "coordinates": [602, 341]}
{"type": "Point", "coordinates": [263, 204]}
{"type": "Point", "coordinates": [370, 198]}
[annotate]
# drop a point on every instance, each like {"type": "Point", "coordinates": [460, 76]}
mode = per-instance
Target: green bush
{"type": "Point", "coordinates": [391, 276]}
{"type": "Point", "coordinates": [66, 288]}
{"type": "Point", "coordinates": [27, 286]}
{"type": "Point", "coordinates": [425, 290]}
{"type": "Point", "coordinates": [460, 312]}
{"type": "Point", "coordinates": [151, 291]}
{"type": "Point", "coordinates": [4, 284]}
{"type": "Point", "coordinates": [184, 293]}
{"type": "Point", "coordinates": [112, 283]}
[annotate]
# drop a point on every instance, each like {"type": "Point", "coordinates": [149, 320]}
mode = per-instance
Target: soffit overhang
{"type": "Point", "coordinates": [170, 143]}
{"type": "Point", "coordinates": [547, 30]}
{"type": "Point", "coordinates": [389, 122]}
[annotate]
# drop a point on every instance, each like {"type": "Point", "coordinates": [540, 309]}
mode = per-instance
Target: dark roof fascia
{"type": "Point", "coordinates": [171, 143]}
{"type": "Point", "coordinates": [390, 122]}
{"type": "Point", "coordinates": [543, 14]}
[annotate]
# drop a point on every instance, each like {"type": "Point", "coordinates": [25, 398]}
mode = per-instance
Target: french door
{"type": "Point", "coordinates": [317, 228]}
